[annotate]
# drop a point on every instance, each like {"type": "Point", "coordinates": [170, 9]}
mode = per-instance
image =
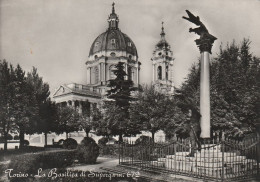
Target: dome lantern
{"type": "Point", "coordinates": [113, 19]}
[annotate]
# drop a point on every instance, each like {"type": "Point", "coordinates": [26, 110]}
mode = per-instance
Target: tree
{"type": "Point", "coordinates": [68, 120]}
{"type": "Point", "coordinates": [6, 93]}
{"type": "Point", "coordinates": [24, 104]}
{"type": "Point", "coordinates": [234, 78]}
{"type": "Point", "coordinates": [151, 110]}
{"type": "Point", "coordinates": [85, 123]}
{"type": "Point", "coordinates": [117, 111]}
{"type": "Point", "coordinates": [44, 118]}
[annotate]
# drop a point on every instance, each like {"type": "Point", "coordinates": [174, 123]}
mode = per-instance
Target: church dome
{"type": "Point", "coordinates": [113, 39]}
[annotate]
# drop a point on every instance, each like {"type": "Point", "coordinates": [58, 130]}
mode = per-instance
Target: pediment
{"type": "Point", "coordinates": [62, 90]}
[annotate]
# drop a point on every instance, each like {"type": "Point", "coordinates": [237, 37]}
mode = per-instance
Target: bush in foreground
{"type": "Point", "coordinates": [102, 141]}
{"type": "Point", "coordinates": [70, 143]}
{"type": "Point", "coordinates": [87, 151]}
{"type": "Point", "coordinates": [30, 163]}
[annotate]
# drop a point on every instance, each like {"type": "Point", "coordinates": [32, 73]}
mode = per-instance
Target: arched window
{"type": "Point", "coordinates": [96, 56]}
{"type": "Point", "coordinates": [159, 72]}
{"type": "Point", "coordinates": [167, 71]}
{"type": "Point", "coordinates": [113, 54]}
{"type": "Point", "coordinates": [112, 76]}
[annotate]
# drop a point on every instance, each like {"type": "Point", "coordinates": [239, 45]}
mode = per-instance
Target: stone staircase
{"type": "Point", "coordinates": [210, 162]}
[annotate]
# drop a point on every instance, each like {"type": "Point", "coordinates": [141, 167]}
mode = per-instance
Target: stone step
{"type": "Point", "coordinates": [210, 147]}
{"type": "Point", "coordinates": [206, 158]}
{"type": "Point", "coordinates": [157, 163]}
{"type": "Point", "coordinates": [214, 154]}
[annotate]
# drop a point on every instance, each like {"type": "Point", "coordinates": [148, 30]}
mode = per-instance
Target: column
{"type": "Point", "coordinates": [73, 104]}
{"type": "Point", "coordinates": [80, 107]}
{"type": "Point", "coordinates": [138, 76]}
{"type": "Point", "coordinates": [126, 71]}
{"type": "Point", "coordinates": [205, 96]}
{"type": "Point", "coordinates": [205, 44]}
{"type": "Point", "coordinates": [100, 72]}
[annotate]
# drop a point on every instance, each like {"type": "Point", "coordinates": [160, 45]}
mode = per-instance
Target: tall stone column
{"type": "Point", "coordinates": [100, 72]}
{"type": "Point", "coordinates": [73, 104]}
{"type": "Point", "coordinates": [80, 107]}
{"type": "Point", "coordinates": [205, 45]}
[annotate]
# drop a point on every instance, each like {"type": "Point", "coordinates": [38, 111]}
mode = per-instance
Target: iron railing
{"type": "Point", "coordinates": [216, 159]}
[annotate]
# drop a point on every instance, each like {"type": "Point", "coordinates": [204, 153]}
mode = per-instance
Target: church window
{"type": "Point", "coordinates": [113, 54]}
{"type": "Point", "coordinates": [130, 56]}
{"type": "Point", "coordinates": [159, 71]}
{"type": "Point", "coordinates": [159, 53]}
{"type": "Point", "coordinates": [96, 44]}
{"type": "Point", "coordinates": [96, 56]}
{"type": "Point", "coordinates": [129, 44]}
{"type": "Point", "coordinates": [113, 41]}
{"type": "Point", "coordinates": [167, 71]}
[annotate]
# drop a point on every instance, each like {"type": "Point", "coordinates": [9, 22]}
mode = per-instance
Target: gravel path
{"type": "Point", "coordinates": [101, 162]}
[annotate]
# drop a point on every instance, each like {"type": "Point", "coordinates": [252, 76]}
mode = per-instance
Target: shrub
{"type": "Point", "coordinates": [16, 137]}
{"type": "Point", "coordinates": [144, 140]}
{"type": "Point", "coordinates": [87, 151]}
{"type": "Point", "coordinates": [26, 143]}
{"type": "Point", "coordinates": [60, 142]}
{"type": "Point", "coordinates": [9, 137]}
{"type": "Point", "coordinates": [102, 141]}
{"type": "Point", "coordinates": [70, 143]}
{"type": "Point", "coordinates": [109, 149]}
{"type": "Point", "coordinates": [30, 163]}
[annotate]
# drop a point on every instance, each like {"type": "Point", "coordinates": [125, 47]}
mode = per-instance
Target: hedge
{"type": "Point", "coordinates": [30, 163]}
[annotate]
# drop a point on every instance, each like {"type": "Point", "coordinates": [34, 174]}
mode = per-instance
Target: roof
{"type": "Point", "coordinates": [120, 42]}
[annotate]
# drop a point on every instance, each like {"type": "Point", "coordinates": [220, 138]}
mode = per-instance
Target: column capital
{"type": "Point", "coordinates": [205, 43]}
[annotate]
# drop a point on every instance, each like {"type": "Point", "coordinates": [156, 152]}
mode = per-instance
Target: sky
{"type": "Point", "coordinates": [55, 36]}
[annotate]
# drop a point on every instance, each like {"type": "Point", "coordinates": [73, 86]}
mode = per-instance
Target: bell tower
{"type": "Point", "coordinates": [162, 61]}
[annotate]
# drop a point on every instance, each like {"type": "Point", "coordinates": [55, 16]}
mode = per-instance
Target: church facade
{"type": "Point", "coordinates": [106, 51]}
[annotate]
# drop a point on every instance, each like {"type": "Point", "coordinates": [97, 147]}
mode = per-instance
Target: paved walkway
{"type": "Point", "coordinates": [101, 162]}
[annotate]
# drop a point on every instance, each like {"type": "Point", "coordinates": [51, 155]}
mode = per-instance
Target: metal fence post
{"type": "Point", "coordinates": [258, 155]}
{"type": "Point", "coordinates": [119, 151]}
{"type": "Point", "coordinates": [223, 153]}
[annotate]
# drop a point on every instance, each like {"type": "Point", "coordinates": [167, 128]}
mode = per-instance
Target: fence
{"type": "Point", "coordinates": [217, 159]}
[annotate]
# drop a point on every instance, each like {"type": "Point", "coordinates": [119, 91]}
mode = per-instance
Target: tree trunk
{"type": "Point", "coordinates": [67, 135]}
{"type": "Point", "coordinates": [87, 134]}
{"type": "Point", "coordinates": [120, 137]}
{"type": "Point", "coordinates": [153, 133]}
{"type": "Point", "coordinates": [21, 137]}
{"type": "Point", "coordinates": [5, 140]}
{"type": "Point", "coordinates": [45, 138]}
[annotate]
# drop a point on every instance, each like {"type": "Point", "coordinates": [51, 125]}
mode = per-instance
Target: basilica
{"type": "Point", "coordinates": [106, 51]}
